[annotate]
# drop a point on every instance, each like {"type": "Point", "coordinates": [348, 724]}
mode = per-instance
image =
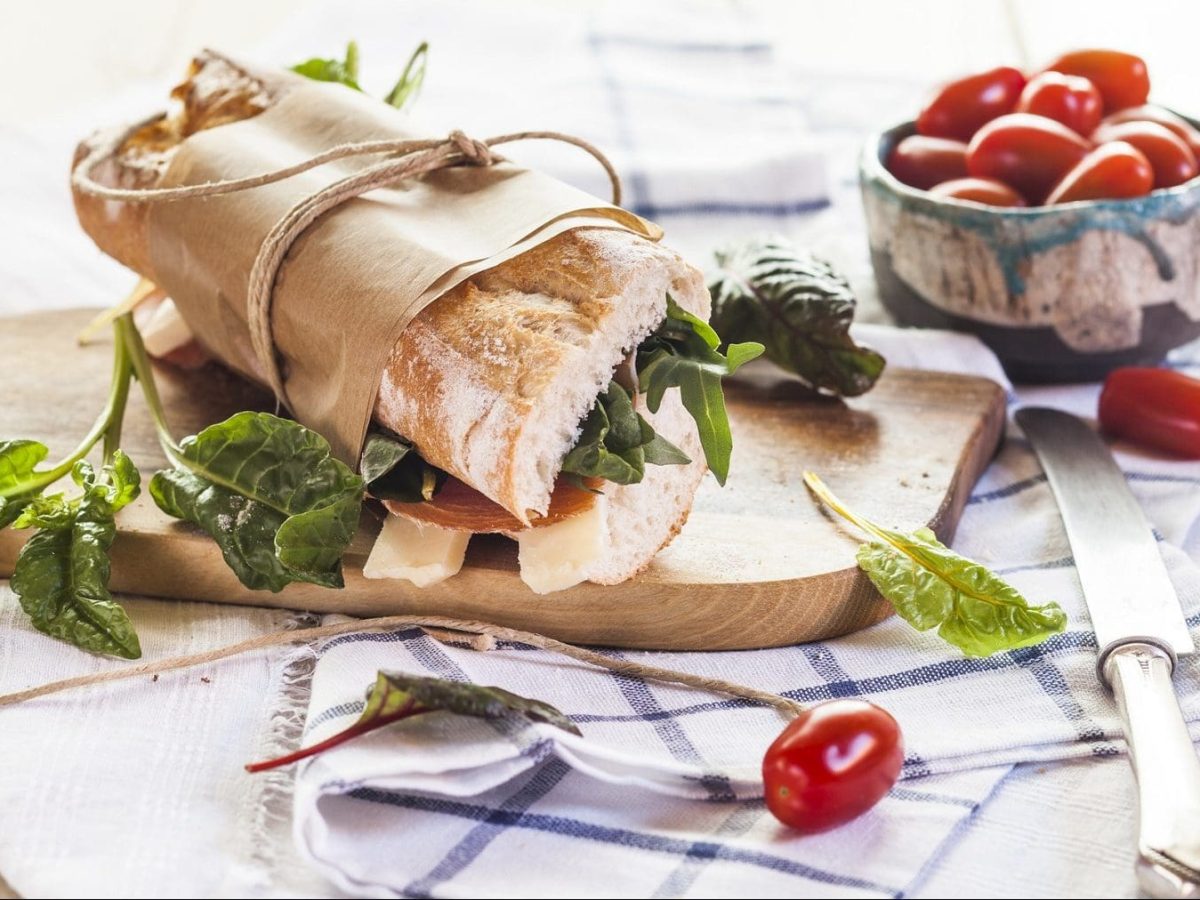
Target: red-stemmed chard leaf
{"type": "Point", "coordinates": [396, 696]}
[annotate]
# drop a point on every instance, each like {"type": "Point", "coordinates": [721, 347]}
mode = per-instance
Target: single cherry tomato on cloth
{"type": "Point", "coordinates": [1113, 171]}
{"type": "Point", "coordinates": [831, 764]}
{"type": "Point", "coordinates": [980, 190]}
{"type": "Point", "coordinates": [960, 108]}
{"type": "Point", "coordinates": [1171, 158]}
{"type": "Point", "coordinates": [1069, 99]}
{"type": "Point", "coordinates": [1154, 408]}
{"type": "Point", "coordinates": [1028, 153]}
{"type": "Point", "coordinates": [1150, 113]}
{"type": "Point", "coordinates": [1120, 77]}
{"type": "Point", "coordinates": [923, 162]}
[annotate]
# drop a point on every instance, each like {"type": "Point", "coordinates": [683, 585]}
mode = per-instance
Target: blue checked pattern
{"type": "Point", "coordinates": [661, 796]}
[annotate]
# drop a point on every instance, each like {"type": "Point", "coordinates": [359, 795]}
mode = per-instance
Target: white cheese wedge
{"type": "Point", "coordinates": [422, 554]}
{"type": "Point", "coordinates": [165, 330]}
{"type": "Point", "coordinates": [560, 556]}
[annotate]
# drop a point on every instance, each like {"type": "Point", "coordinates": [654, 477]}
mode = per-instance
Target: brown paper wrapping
{"type": "Point", "coordinates": [363, 271]}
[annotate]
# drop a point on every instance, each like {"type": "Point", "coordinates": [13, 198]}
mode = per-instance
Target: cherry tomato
{"type": "Point", "coordinates": [1154, 408]}
{"type": "Point", "coordinates": [1120, 77]}
{"type": "Point", "coordinates": [925, 161]}
{"type": "Point", "coordinates": [832, 764]}
{"type": "Point", "coordinates": [1028, 153]}
{"type": "Point", "coordinates": [979, 190]}
{"type": "Point", "coordinates": [1171, 158]}
{"type": "Point", "coordinates": [1164, 117]}
{"type": "Point", "coordinates": [1069, 99]}
{"type": "Point", "coordinates": [959, 108]}
{"type": "Point", "coordinates": [1112, 171]}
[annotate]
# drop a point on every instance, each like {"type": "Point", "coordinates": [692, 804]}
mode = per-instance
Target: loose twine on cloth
{"type": "Point", "coordinates": [789, 708]}
{"type": "Point", "coordinates": [407, 159]}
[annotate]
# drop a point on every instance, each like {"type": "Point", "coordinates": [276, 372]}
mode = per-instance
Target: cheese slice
{"type": "Point", "coordinates": [165, 330]}
{"type": "Point", "coordinates": [420, 553]}
{"type": "Point", "coordinates": [559, 556]}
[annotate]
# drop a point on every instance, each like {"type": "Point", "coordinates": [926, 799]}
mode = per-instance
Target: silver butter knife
{"type": "Point", "coordinates": [1140, 631]}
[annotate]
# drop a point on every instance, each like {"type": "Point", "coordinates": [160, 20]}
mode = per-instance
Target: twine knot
{"type": "Point", "coordinates": [406, 159]}
{"type": "Point", "coordinates": [477, 153]}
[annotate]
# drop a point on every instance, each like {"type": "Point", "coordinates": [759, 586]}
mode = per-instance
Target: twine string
{"type": "Point", "coordinates": [788, 708]}
{"type": "Point", "coordinates": [405, 159]}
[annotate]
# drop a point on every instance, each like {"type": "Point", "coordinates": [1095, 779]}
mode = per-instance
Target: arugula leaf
{"type": "Point", "coordinates": [931, 586]}
{"type": "Point", "coordinates": [617, 442]}
{"type": "Point", "coordinates": [271, 495]}
{"type": "Point", "coordinates": [411, 79]}
{"type": "Point", "coordinates": [345, 71]}
{"type": "Point", "coordinates": [396, 696]}
{"type": "Point", "coordinates": [339, 71]}
{"type": "Point", "coordinates": [61, 575]}
{"type": "Point", "coordinates": [17, 462]}
{"type": "Point", "coordinates": [799, 307]}
{"type": "Point", "coordinates": [683, 353]}
{"type": "Point", "coordinates": [394, 470]}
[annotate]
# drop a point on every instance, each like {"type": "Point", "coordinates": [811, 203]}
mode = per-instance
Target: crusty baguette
{"type": "Point", "coordinates": [492, 380]}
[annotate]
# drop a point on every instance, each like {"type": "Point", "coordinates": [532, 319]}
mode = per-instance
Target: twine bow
{"type": "Point", "coordinates": [404, 159]}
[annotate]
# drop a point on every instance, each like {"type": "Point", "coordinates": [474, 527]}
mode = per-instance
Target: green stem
{"type": "Point", "coordinates": [122, 373]}
{"type": "Point", "coordinates": [107, 426]}
{"type": "Point", "coordinates": [131, 340]}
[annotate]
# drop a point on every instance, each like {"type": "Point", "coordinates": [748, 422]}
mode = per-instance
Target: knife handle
{"type": "Point", "coordinates": [1164, 764]}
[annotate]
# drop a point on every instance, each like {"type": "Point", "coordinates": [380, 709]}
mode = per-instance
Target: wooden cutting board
{"type": "Point", "coordinates": [758, 564]}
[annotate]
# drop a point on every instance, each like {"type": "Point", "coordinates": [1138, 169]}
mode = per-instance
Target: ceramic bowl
{"type": "Point", "coordinates": [1060, 293]}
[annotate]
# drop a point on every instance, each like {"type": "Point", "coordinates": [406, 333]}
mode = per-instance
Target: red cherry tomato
{"type": "Point", "coordinates": [1069, 99]}
{"type": "Point", "coordinates": [1113, 171]}
{"type": "Point", "coordinates": [1028, 153]}
{"type": "Point", "coordinates": [1155, 408]}
{"type": "Point", "coordinates": [1120, 77]}
{"type": "Point", "coordinates": [1171, 158]}
{"type": "Point", "coordinates": [832, 764]}
{"type": "Point", "coordinates": [959, 108]}
{"type": "Point", "coordinates": [979, 190]}
{"type": "Point", "coordinates": [1164, 117]}
{"type": "Point", "coordinates": [925, 161]}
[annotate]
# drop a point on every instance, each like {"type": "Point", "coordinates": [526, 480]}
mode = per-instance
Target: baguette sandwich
{"type": "Point", "coordinates": [522, 389]}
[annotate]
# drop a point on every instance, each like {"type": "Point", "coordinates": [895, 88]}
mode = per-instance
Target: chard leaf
{"type": "Point", "coordinates": [617, 442]}
{"type": "Point", "coordinates": [799, 307]}
{"type": "Point", "coordinates": [18, 459]}
{"type": "Point", "coordinates": [931, 586]}
{"type": "Point", "coordinates": [396, 696]}
{"type": "Point", "coordinates": [61, 575]}
{"type": "Point", "coordinates": [683, 353]}
{"type": "Point", "coordinates": [268, 491]}
{"type": "Point", "coordinates": [338, 71]}
{"type": "Point", "coordinates": [394, 470]}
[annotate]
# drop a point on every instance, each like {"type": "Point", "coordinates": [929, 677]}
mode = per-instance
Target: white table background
{"type": "Point", "coordinates": [66, 62]}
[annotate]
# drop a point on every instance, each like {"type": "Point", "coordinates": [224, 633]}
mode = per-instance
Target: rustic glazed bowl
{"type": "Point", "coordinates": [1060, 293]}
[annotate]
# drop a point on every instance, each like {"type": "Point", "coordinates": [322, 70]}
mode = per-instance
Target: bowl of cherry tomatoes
{"type": "Point", "coordinates": [1053, 213]}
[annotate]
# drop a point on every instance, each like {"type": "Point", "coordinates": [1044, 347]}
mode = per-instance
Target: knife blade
{"type": "Point", "coordinates": [1124, 580]}
{"type": "Point", "coordinates": [1140, 631]}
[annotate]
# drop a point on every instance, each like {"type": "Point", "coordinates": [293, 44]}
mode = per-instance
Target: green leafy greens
{"type": "Point", "coordinates": [268, 490]}
{"type": "Point", "coordinates": [345, 71]}
{"type": "Point", "coordinates": [799, 307]}
{"type": "Point", "coordinates": [617, 442]}
{"type": "Point", "coordinates": [931, 586]}
{"type": "Point", "coordinates": [393, 470]}
{"type": "Point", "coordinates": [61, 575]}
{"type": "Point", "coordinates": [683, 353]}
{"type": "Point", "coordinates": [338, 71]}
{"type": "Point", "coordinates": [396, 696]}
